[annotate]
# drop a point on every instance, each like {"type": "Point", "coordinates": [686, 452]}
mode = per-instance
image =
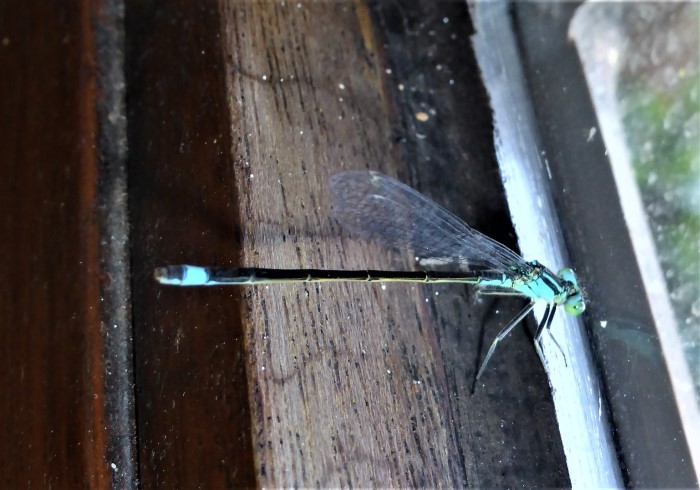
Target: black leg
{"type": "Point", "coordinates": [506, 330]}
{"type": "Point", "coordinates": [546, 321]}
{"type": "Point", "coordinates": [544, 325]}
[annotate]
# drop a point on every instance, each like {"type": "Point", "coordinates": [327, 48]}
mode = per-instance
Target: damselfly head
{"type": "Point", "coordinates": [573, 304]}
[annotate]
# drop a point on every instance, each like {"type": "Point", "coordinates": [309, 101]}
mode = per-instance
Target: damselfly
{"type": "Point", "coordinates": [377, 207]}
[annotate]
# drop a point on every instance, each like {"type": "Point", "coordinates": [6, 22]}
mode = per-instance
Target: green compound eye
{"type": "Point", "coordinates": [574, 304]}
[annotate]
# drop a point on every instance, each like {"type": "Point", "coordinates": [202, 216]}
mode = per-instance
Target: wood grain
{"type": "Point", "coordinates": [353, 384]}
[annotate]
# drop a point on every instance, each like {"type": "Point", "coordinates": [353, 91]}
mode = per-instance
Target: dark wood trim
{"type": "Point", "coordinates": [58, 426]}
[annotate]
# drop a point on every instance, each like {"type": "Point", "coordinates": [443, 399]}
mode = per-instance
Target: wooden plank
{"type": "Point", "coordinates": [62, 424]}
{"type": "Point", "coordinates": [317, 385]}
{"type": "Point", "coordinates": [192, 402]}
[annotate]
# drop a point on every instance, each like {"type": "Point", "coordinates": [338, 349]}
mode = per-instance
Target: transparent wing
{"type": "Point", "coordinates": [377, 207]}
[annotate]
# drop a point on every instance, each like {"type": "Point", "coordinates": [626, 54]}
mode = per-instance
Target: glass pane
{"type": "Point", "coordinates": [641, 62]}
{"type": "Point", "coordinates": [658, 87]}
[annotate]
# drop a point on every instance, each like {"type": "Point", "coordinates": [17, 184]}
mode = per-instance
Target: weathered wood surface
{"type": "Point", "coordinates": [239, 112]}
{"type": "Point", "coordinates": [64, 405]}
